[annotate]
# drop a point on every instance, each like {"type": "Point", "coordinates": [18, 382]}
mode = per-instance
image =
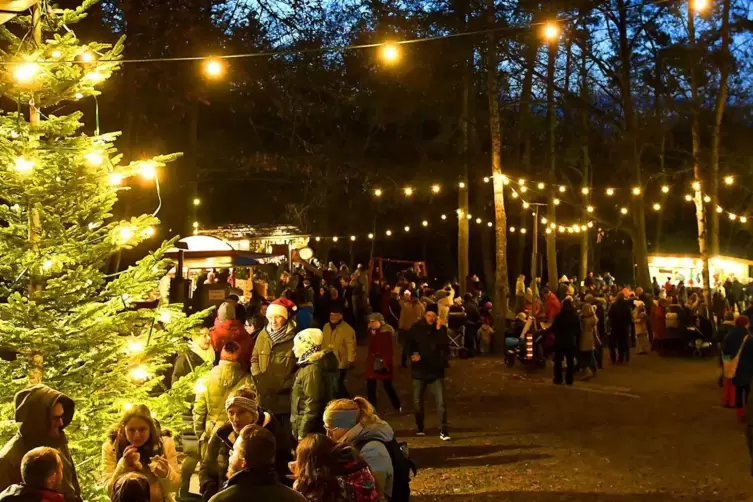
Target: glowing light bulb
{"type": "Point", "coordinates": [435, 188]}
{"type": "Point", "coordinates": [696, 185]}
{"type": "Point", "coordinates": [116, 179]}
{"type": "Point", "coordinates": [719, 209]}
{"type": "Point", "coordinates": [47, 265]}
{"type": "Point", "coordinates": [486, 179]}
{"type": "Point", "coordinates": [505, 179]}
{"type": "Point", "coordinates": [388, 232]}
{"type": "Point", "coordinates": [512, 230]}
{"type": "Point", "coordinates": [590, 224]}
{"type": "Point", "coordinates": [139, 374]}
{"type": "Point", "coordinates": [196, 224]}
{"type": "Point", "coordinates": [149, 170]}
{"type": "Point", "coordinates": [562, 188]}
{"type": "Point", "coordinates": [478, 220]}
{"type": "Point", "coordinates": [407, 228]}
{"type": "Point", "coordinates": [196, 201]}
{"type": "Point", "coordinates": [556, 202]}
{"type": "Point", "coordinates": [665, 189]}
{"type": "Point", "coordinates": [526, 205]}
{"type": "Point", "coordinates": [134, 347]}
{"type": "Point", "coordinates": [444, 216]}
{"type": "Point", "coordinates": [688, 197]}
{"type": "Point", "coordinates": [196, 232]}
{"type": "Point", "coordinates": [352, 238]}
{"type": "Point", "coordinates": [732, 217]}
{"type": "Point", "coordinates": [425, 223]}
{"type": "Point", "coordinates": [149, 231]}
{"type": "Point", "coordinates": [94, 77]}
{"type": "Point", "coordinates": [26, 72]}
{"type": "Point", "coordinates": [468, 216]}
{"type": "Point", "coordinates": [94, 158]}
{"type": "Point", "coordinates": [318, 239]}
{"type": "Point", "coordinates": [548, 230]}
{"type": "Point", "coordinates": [214, 68]}
{"type": "Point", "coordinates": [200, 386]}
{"type": "Point", "coordinates": [24, 166]}
{"type": "Point", "coordinates": [636, 190]}
{"type": "Point", "coordinates": [707, 199]}
{"type": "Point", "coordinates": [335, 239]}
{"type": "Point", "coordinates": [523, 189]}
{"type": "Point", "coordinates": [390, 53]}
{"type": "Point", "coordinates": [408, 191]}
{"type": "Point", "coordinates": [489, 224]}
{"type": "Point", "coordinates": [729, 180]}
{"type": "Point", "coordinates": [521, 181]}
{"type": "Point", "coordinates": [657, 206]}
{"type": "Point", "coordinates": [515, 195]}
{"type": "Point", "coordinates": [544, 220]}
{"type": "Point", "coordinates": [126, 234]}
{"type": "Point", "coordinates": [623, 210]}
{"type": "Point", "coordinates": [610, 191]}
{"type": "Point", "coordinates": [461, 184]}
{"type": "Point", "coordinates": [743, 219]}
{"type": "Point", "coordinates": [561, 228]}
{"type": "Point", "coordinates": [700, 5]}
{"type": "Point", "coordinates": [590, 209]}
{"type": "Point", "coordinates": [584, 190]}
{"type": "Point", "coordinates": [378, 192]}
{"type": "Point", "coordinates": [371, 236]}
{"type": "Point", "coordinates": [552, 225]}
{"type": "Point", "coordinates": [87, 57]}
{"type": "Point", "coordinates": [57, 54]}
{"type": "Point", "coordinates": [540, 186]}
{"type": "Point", "coordinates": [79, 95]}
{"type": "Point", "coordinates": [522, 230]}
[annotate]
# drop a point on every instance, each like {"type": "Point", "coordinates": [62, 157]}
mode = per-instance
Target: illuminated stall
{"type": "Point", "coordinates": [689, 267]}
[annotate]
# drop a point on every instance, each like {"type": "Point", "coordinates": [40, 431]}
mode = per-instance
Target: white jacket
{"type": "Point", "coordinates": [112, 469]}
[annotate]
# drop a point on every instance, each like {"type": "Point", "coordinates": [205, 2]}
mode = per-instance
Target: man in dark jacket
{"type": "Point", "coordinates": [252, 470]}
{"type": "Point", "coordinates": [242, 410]}
{"type": "Point", "coordinates": [428, 345]}
{"type": "Point", "coordinates": [43, 414]}
{"type": "Point", "coordinates": [42, 475]}
{"type": "Point", "coordinates": [620, 322]}
{"type": "Point", "coordinates": [566, 329]}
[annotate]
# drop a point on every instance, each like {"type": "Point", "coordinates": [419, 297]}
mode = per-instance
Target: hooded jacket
{"type": "Point", "coordinates": [432, 345]}
{"type": "Point", "coordinates": [381, 344]}
{"type": "Point", "coordinates": [587, 340]}
{"type": "Point", "coordinates": [209, 409]}
{"type": "Point", "coordinates": [341, 339]}
{"type": "Point", "coordinates": [370, 439]}
{"type": "Point", "coordinates": [731, 346]}
{"type": "Point", "coordinates": [411, 311]}
{"type": "Point", "coordinates": [216, 459]}
{"type": "Point", "coordinates": [315, 380]}
{"type": "Point", "coordinates": [273, 368]}
{"type": "Point", "coordinates": [33, 406]}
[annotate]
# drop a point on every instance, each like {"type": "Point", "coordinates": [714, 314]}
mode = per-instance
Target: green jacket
{"type": "Point", "coordinates": [273, 368]}
{"type": "Point", "coordinates": [209, 409]}
{"type": "Point", "coordinates": [341, 339]}
{"type": "Point", "coordinates": [313, 389]}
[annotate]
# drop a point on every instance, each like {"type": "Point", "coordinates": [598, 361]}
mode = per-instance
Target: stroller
{"type": "Point", "coordinates": [524, 341]}
{"type": "Point", "coordinates": [685, 332]}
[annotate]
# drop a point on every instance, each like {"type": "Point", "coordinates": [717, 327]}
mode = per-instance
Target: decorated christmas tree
{"type": "Point", "coordinates": [63, 321]}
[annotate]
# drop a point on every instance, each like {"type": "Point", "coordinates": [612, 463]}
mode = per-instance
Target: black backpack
{"type": "Point", "coordinates": [402, 466]}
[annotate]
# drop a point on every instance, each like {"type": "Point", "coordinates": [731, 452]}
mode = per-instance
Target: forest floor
{"type": "Point", "coordinates": [652, 430]}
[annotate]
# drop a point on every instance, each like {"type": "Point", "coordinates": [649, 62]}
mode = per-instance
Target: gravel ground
{"type": "Point", "coordinates": [652, 430]}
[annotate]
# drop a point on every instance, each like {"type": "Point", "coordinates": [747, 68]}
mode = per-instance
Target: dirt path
{"type": "Point", "coordinates": [649, 431]}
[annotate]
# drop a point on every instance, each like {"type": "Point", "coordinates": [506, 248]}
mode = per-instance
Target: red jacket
{"type": "Point", "coordinates": [658, 322]}
{"type": "Point", "coordinates": [232, 331]}
{"type": "Point", "coordinates": [381, 344]}
{"type": "Point", "coordinates": [552, 306]}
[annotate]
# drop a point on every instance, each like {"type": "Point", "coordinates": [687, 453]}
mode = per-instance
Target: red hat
{"type": "Point", "coordinates": [280, 307]}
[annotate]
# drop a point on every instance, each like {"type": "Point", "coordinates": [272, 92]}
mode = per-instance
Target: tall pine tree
{"type": "Point", "coordinates": [64, 322]}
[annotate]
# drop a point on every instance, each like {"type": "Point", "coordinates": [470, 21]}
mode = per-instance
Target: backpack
{"type": "Point", "coordinates": [402, 466]}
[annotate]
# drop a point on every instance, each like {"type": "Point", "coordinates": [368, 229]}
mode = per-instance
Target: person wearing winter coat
{"type": "Point", "coordinates": [739, 340]}
{"type": "Point", "coordinates": [43, 413]}
{"type": "Point", "coordinates": [566, 328]}
{"type": "Point", "coordinates": [563, 289]}
{"type": "Point", "coordinates": [227, 328]}
{"type": "Point", "coordinates": [252, 474]}
{"type": "Point", "coordinates": [589, 338]}
{"type": "Point", "coordinates": [314, 384]}
{"type": "Point", "coordinates": [199, 353]}
{"type": "Point", "coordinates": [620, 322]}
{"type": "Point", "coordinates": [273, 363]}
{"type": "Point", "coordinates": [411, 311]}
{"type": "Point", "coordinates": [379, 361]}
{"type": "Point", "coordinates": [242, 410]}
{"type": "Point", "coordinates": [41, 478]}
{"type": "Point", "coordinates": [428, 345]}
{"type": "Point", "coordinates": [326, 471]}
{"type": "Point", "coordinates": [552, 305]}
{"type": "Point", "coordinates": [227, 376]}
{"type": "Point", "coordinates": [354, 422]}
{"type": "Point", "coordinates": [640, 319]}
{"type": "Point", "coordinates": [340, 338]}
{"type": "Point", "coordinates": [659, 324]}
{"type": "Point", "coordinates": [135, 444]}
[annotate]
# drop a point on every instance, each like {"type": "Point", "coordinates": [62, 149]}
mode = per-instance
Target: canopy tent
{"type": "Point", "coordinates": [204, 251]}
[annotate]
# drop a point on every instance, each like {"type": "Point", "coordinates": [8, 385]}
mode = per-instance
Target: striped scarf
{"type": "Point", "coordinates": [277, 335]}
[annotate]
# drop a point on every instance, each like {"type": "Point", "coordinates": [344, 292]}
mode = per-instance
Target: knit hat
{"type": "Point", "coordinates": [341, 419]}
{"type": "Point", "coordinates": [226, 312]}
{"type": "Point", "coordinates": [308, 339]}
{"type": "Point", "coordinates": [433, 307]}
{"type": "Point", "coordinates": [564, 278]}
{"type": "Point", "coordinates": [243, 403]}
{"type": "Point", "coordinates": [376, 316]}
{"type": "Point", "coordinates": [336, 308]}
{"type": "Point", "coordinates": [279, 308]}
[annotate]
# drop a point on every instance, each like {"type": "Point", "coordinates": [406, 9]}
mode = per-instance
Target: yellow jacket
{"type": "Point", "coordinates": [342, 341]}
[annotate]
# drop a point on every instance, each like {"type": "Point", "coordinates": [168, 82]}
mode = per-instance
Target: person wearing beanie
{"type": "Point", "coordinates": [428, 346]}
{"type": "Point", "coordinates": [228, 328]}
{"type": "Point", "coordinates": [252, 470]}
{"type": "Point", "coordinates": [272, 362]}
{"type": "Point", "coordinates": [314, 384]}
{"type": "Point", "coordinates": [411, 311]}
{"type": "Point", "coordinates": [379, 361]}
{"type": "Point", "coordinates": [340, 338]}
{"type": "Point", "coordinates": [242, 410]}
{"type": "Point", "coordinates": [228, 375]}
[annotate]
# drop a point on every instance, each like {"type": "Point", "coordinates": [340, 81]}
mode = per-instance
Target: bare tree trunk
{"type": "Point", "coordinates": [700, 207]}
{"type": "Point", "coordinates": [585, 94]}
{"type": "Point", "coordinates": [640, 247]}
{"type": "Point", "coordinates": [551, 238]}
{"type": "Point", "coordinates": [463, 222]}
{"type": "Point", "coordinates": [500, 216]}
{"type": "Point", "coordinates": [716, 133]}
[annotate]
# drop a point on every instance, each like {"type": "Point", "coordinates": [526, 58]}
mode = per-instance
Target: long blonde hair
{"type": "Point", "coordinates": [367, 414]}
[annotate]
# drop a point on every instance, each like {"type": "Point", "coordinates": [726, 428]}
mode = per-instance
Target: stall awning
{"type": "Point", "coordinates": [222, 259]}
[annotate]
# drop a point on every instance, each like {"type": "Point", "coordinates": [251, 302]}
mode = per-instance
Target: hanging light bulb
{"type": "Point", "coordinates": [352, 238]}
{"type": "Point", "coordinates": [551, 31]}
{"type": "Point", "coordinates": [590, 209]}
{"type": "Point", "coordinates": [318, 239]}
{"type": "Point", "coordinates": [729, 180]}
{"type": "Point", "coordinates": [556, 201]}
{"type": "Point", "coordinates": [408, 191]}
{"type": "Point", "coordinates": [57, 54]}
{"type": "Point", "coordinates": [388, 232]}
{"type": "Point", "coordinates": [512, 230]}
{"type": "Point", "coordinates": [407, 228]}
{"type": "Point", "coordinates": [489, 224]}
{"type": "Point", "coordinates": [25, 72]}
{"type": "Point", "coordinates": [378, 192]}
{"type": "Point", "coordinates": [371, 236]}
{"type": "Point", "coordinates": [87, 57]}
{"type": "Point", "coordinates": [590, 224]}
{"type": "Point", "coordinates": [134, 347]}
{"type": "Point", "coordinates": [486, 179]}
{"type": "Point", "coordinates": [468, 216]}
{"type": "Point", "coordinates": [196, 224]}
{"type": "Point", "coordinates": [149, 231]}
{"type": "Point", "coordinates": [562, 188]}
{"type": "Point", "coordinates": [544, 220]}
{"type": "Point", "coordinates": [552, 225]}
{"type": "Point", "coordinates": [444, 216]}
{"type": "Point", "coordinates": [624, 210]}
{"type": "Point", "coordinates": [115, 179]}
{"type": "Point", "coordinates": [435, 188]}
{"type": "Point", "coordinates": [636, 190]}
{"type": "Point", "coordinates": [719, 209]}
{"type": "Point", "coordinates": [610, 191]}
{"type": "Point", "coordinates": [425, 223]}
{"type": "Point", "coordinates": [79, 95]}
{"type": "Point", "coordinates": [47, 265]}
{"type": "Point", "coordinates": [523, 230]}
{"type": "Point", "coordinates": [688, 197]}
{"type": "Point", "coordinates": [126, 234]}
{"type": "Point", "coordinates": [540, 186]}
{"type": "Point", "coordinates": [743, 219]}
{"type": "Point", "coordinates": [335, 239]}
{"type": "Point", "coordinates": [196, 201]}
{"type": "Point", "coordinates": [149, 170]}
{"type": "Point", "coordinates": [214, 68]}
{"type": "Point", "coordinates": [700, 5]}
{"type": "Point", "coordinates": [732, 217]}
{"type": "Point", "coordinates": [523, 189]}
{"type": "Point", "coordinates": [696, 185]}
{"type": "Point", "coordinates": [505, 179]}
{"type": "Point", "coordinates": [24, 166]}
{"type": "Point", "coordinates": [548, 230]}
{"type": "Point", "coordinates": [665, 189]}
{"type": "Point", "coordinates": [514, 195]}
{"type": "Point", "coordinates": [94, 158]}
{"type": "Point", "coordinates": [561, 228]}
{"type": "Point", "coordinates": [657, 206]}
{"type": "Point", "coordinates": [389, 53]}
{"type": "Point", "coordinates": [461, 184]}
{"type": "Point", "coordinates": [139, 374]}
{"type": "Point", "coordinates": [707, 199]}
{"type": "Point", "coordinates": [478, 220]}
{"type": "Point", "coordinates": [526, 205]}
{"type": "Point", "coordinates": [521, 181]}
{"type": "Point", "coordinates": [584, 190]}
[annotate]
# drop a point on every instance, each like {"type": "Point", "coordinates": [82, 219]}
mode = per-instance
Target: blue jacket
{"type": "Point", "coordinates": [732, 344]}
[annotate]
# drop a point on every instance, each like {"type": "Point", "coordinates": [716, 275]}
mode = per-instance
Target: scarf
{"type": "Point", "coordinates": [207, 355]}
{"type": "Point", "coordinates": [277, 335]}
{"type": "Point", "coordinates": [310, 352]}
